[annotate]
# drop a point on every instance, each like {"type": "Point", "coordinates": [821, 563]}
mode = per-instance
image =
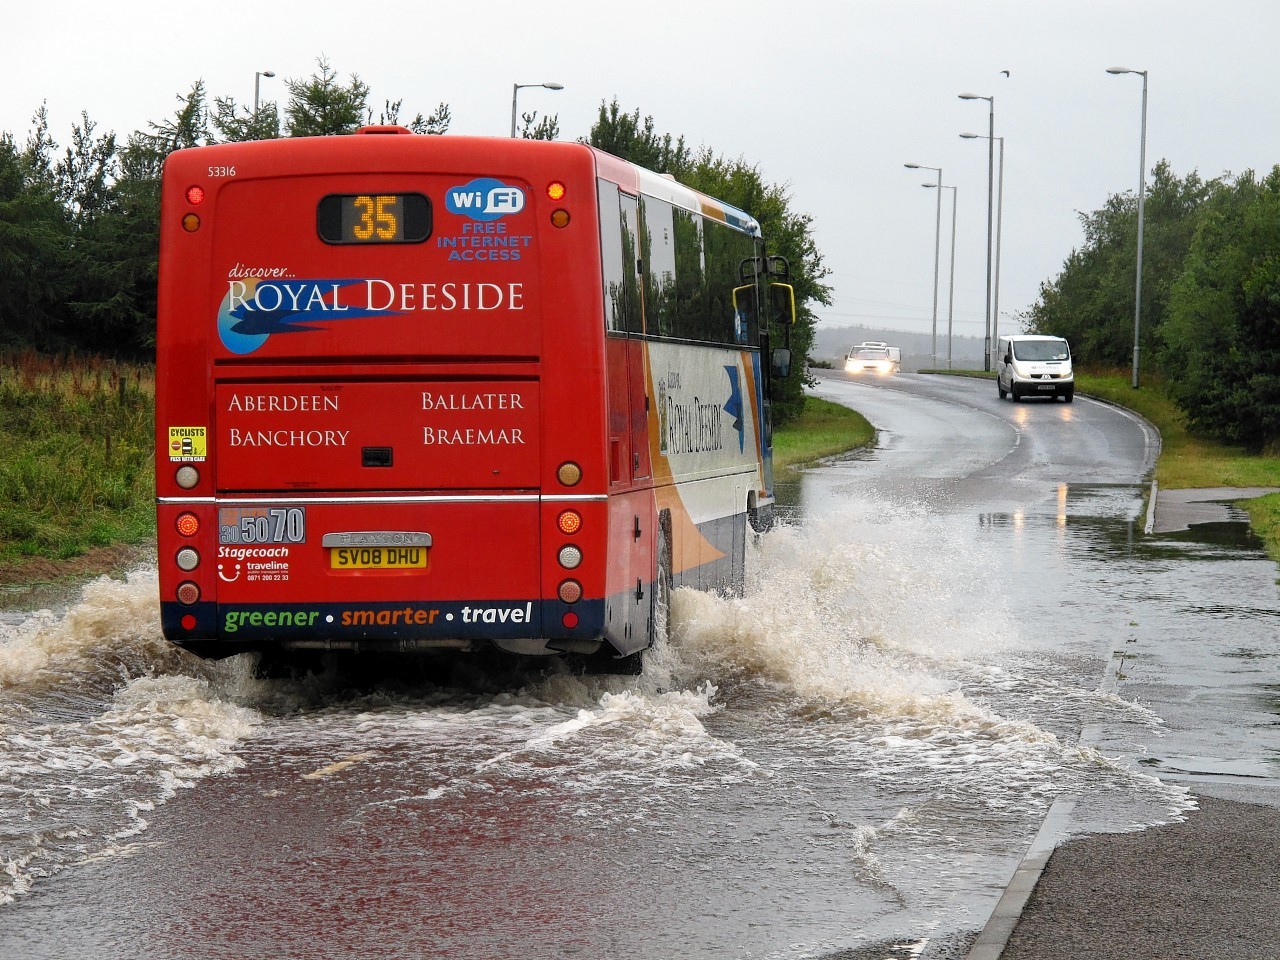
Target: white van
{"type": "Point", "coordinates": [1034, 366]}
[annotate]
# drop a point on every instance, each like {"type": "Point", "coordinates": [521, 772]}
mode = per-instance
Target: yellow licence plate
{"type": "Point", "coordinates": [377, 558]}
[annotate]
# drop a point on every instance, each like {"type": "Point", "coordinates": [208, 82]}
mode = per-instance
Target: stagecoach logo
{"type": "Point", "coordinates": [484, 199]}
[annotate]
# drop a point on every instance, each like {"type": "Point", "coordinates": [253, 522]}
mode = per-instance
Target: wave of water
{"type": "Point", "coordinates": [864, 651]}
{"type": "Point", "coordinates": [101, 721]}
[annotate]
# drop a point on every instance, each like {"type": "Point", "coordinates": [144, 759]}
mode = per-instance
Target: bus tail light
{"type": "Point", "coordinates": [188, 593]}
{"type": "Point", "coordinates": [187, 559]}
{"type": "Point", "coordinates": [188, 524]}
{"type": "Point", "coordinates": [569, 556]}
{"type": "Point", "coordinates": [570, 591]}
{"type": "Point", "coordinates": [195, 195]}
{"type": "Point", "coordinates": [556, 190]}
{"type": "Point", "coordinates": [569, 522]}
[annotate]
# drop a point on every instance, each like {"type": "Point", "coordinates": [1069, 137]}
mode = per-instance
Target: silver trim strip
{"type": "Point", "coordinates": [437, 498]}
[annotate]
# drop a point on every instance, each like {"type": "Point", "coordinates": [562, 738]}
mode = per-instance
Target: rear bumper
{"type": "Point", "coordinates": [216, 630]}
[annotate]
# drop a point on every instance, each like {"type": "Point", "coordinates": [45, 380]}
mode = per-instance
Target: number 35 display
{"type": "Point", "coordinates": [362, 218]}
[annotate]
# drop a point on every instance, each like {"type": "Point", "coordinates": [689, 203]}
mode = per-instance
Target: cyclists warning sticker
{"type": "Point", "coordinates": [188, 444]}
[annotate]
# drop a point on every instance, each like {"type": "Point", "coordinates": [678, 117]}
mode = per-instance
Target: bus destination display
{"type": "Point", "coordinates": [362, 218]}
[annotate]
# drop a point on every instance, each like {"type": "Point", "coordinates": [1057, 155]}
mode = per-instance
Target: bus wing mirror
{"type": "Point", "coordinates": [783, 298]}
{"type": "Point", "coordinates": [780, 362]}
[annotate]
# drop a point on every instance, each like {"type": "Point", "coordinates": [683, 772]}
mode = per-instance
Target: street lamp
{"type": "Point", "coordinates": [951, 297]}
{"type": "Point", "coordinates": [991, 167]}
{"type": "Point", "coordinates": [257, 77]}
{"type": "Point", "coordinates": [1142, 194]}
{"type": "Point", "coordinates": [995, 293]}
{"type": "Point", "coordinates": [937, 244]}
{"type": "Point", "coordinates": [515, 89]}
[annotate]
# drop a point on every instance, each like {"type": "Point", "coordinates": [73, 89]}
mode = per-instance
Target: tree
{"type": "Point", "coordinates": [627, 136]}
{"type": "Point", "coordinates": [34, 238]}
{"type": "Point", "coordinates": [188, 128]}
{"type": "Point", "coordinates": [437, 123]}
{"type": "Point", "coordinates": [1091, 301]}
{"type": "Point", "coordinates": [548, 128]}
{"type": "Point", "coordinates": [1221, 343]}
{"type": "Point", "coordinates": [320, 106]}
{"type": "Point", "coordinates": [235, 124]}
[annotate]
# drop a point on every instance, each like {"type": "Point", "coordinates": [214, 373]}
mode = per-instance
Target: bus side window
{"type": "Point", "coordinates": [658, 252]}
{"type": "Point", "coordinates": [737, 305]}
{"type": "Point", "coordinates": [613, 258]}
{"type": "Point", "coordinates": [631, 254]}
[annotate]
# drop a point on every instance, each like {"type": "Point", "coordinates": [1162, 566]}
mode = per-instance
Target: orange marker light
{"type": "Point", "coordinates": [560, 217]}
{"type": "Point", "coordinates": [191, 223]}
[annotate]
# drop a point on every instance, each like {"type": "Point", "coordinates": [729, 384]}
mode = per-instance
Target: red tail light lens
{"type": "Point", "coordinates": [569, 522]}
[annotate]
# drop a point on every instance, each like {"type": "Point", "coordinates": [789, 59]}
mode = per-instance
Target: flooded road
{"type": "Point", "coordinates": [946, 635]}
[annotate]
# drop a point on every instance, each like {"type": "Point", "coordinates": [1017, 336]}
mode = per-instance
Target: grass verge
{"type": "Point", "coordinates": [77, 471]}
{"type": "Point", "coordinates": [823, 430]}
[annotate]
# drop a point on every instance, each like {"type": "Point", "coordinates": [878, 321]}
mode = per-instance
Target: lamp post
{"type": "Point", "coordinates": [951, 273]}
{"type": "Point", "coordinates": [995, 291]}
{"type": "Point", "coordinates": [937, 246]}
{"type": "Point", "coordinates": [257, 78]}
{"type": "Point", "coordinates": [991, 167]}
{"type": "Point", "coordinates": [515, 89]}
{"type": "Point", "coordinates": [1142, 194]}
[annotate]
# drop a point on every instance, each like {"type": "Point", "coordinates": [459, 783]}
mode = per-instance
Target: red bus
{"type": "Point", "coordinates": [422, 392]}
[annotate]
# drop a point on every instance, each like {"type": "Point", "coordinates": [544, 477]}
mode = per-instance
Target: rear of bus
{"type": "Point", "coordinates": [379, 403]}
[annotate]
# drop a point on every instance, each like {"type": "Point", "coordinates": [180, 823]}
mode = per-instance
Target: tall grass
{"type": "Point", "coordinates": [76, 455]}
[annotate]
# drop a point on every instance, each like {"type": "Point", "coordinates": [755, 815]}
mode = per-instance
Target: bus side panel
{"type": "Point", "coordinates": [707, 460]}
{"type": "Point", "coordinates": [633, 535]}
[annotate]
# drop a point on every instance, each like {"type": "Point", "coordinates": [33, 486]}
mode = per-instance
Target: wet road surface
{"type": "Point", "coordinates": [933, 649]}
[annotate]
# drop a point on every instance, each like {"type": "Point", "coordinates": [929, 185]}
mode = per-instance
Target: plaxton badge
{"type": "Point", "coordinates": [376, 538]}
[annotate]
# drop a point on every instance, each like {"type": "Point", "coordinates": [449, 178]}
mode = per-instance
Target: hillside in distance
{"type": "Point", "coordinates": [831, 344]}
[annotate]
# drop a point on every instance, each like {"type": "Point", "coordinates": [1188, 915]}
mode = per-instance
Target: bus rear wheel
{"type": "Point", "coordinates": [660, 612]}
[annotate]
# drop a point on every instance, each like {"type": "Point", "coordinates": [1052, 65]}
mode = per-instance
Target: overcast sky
{"type": "Point", "coordinates": [830, 98]}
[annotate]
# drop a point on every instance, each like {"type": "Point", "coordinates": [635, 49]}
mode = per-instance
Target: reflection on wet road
{"type": "Point", "coordinates": [854, 754]}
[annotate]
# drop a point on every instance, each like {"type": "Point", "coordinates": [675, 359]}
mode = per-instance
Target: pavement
{"type": "Point", "coordinates": [1204, 888]}
{"type": "Point", "coordinates": [1173, 510]}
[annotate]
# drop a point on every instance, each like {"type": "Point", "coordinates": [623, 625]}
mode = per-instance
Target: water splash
{"type": "Point", "coordinates": [103, 721]}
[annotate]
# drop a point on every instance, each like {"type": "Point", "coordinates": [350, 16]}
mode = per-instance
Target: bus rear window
{"type": "Point", "coordinates": [362, 218]}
